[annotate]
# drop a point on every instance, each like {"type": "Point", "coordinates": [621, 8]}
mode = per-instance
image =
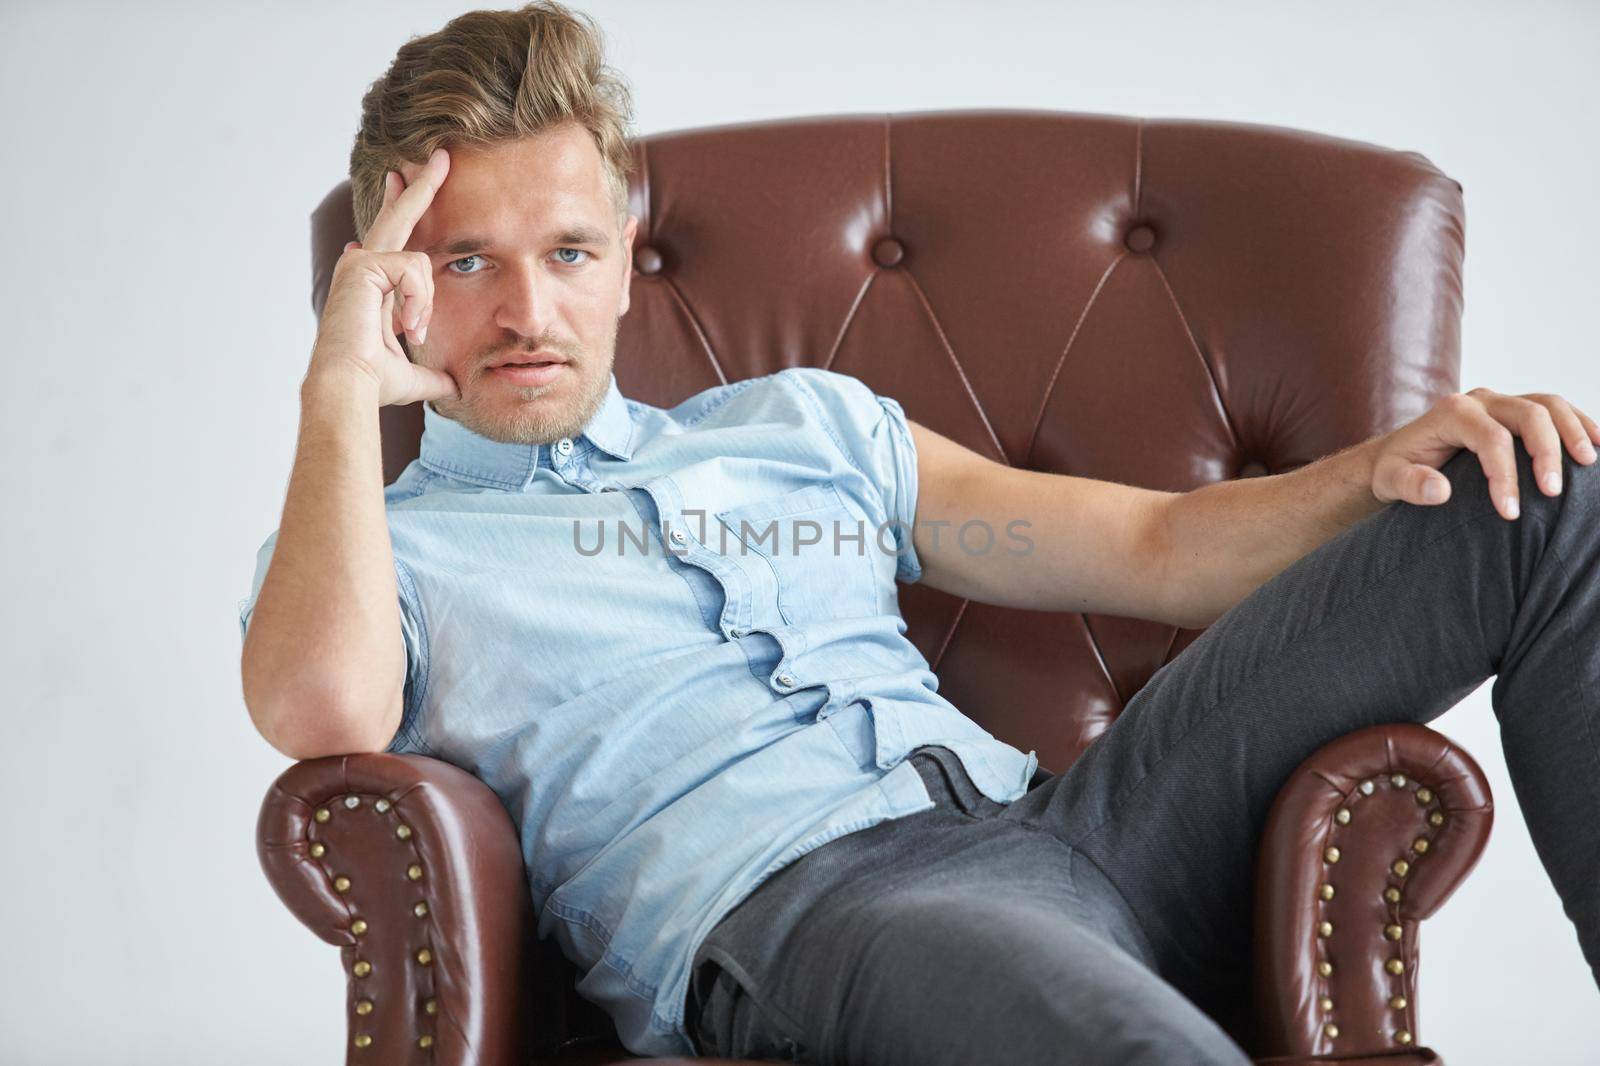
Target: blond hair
{"type": "Point", "coordinates": [487, 77]}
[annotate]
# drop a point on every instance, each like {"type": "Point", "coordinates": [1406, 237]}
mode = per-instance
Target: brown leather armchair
{"type": "Point", "coordinates": [1159, 302]}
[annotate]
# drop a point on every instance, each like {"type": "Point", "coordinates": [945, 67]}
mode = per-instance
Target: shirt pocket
{"type": "Point", "coordinates": [819, 550]}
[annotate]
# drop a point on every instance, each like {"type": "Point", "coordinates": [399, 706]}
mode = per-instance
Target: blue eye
{"type": "Point", "coordinates": [463, 259]}
{"type": "Point", "coordinates": [580, 251]}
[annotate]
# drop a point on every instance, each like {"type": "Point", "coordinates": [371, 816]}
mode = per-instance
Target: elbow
{"type": "Point", "coordinates": [311, 720]}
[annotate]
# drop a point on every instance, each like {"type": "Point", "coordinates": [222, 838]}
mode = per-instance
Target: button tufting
{"type": "Point", "coordinates": [646, 260]}
{"type": "Point", "coordinates": [888, 252]}
{"type": "Point", "coordinates": [1140, 239]}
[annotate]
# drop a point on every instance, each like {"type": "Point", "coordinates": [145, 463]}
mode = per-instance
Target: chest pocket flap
{"type": "Point", "coordinates": [818, 547]}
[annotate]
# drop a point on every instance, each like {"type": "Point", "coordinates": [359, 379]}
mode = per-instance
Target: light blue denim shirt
{"type": "Point", "coordinates": [673, 647]}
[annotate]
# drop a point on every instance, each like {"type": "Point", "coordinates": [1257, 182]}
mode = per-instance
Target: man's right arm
{"type": "Point", "coordinates": [323, 665]}
{"type": "Point", "coordinates": [324, 669]}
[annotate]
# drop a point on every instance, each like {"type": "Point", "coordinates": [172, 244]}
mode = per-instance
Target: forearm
{"type": "Point", "coordinates": [322, 656]}
{"type": "Point", "coordinates": [1225, 540]}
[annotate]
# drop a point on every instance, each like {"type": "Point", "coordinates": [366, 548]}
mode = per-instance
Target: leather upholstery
{"type": "Point", "coordinates": [1159, 302]}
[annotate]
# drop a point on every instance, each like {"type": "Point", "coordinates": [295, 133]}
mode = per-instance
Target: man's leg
{"type": "Point", "coordinates": [1395, 619]}
{"type": "Point", "coordinates": [944, 938]}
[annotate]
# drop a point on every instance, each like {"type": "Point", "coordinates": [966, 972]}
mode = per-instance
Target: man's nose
{"type": "Point", "coordinates": [526, 304]}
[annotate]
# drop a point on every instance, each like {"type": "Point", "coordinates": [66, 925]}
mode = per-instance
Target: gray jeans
{"type": "Point", "coordinates": [1106, 915]}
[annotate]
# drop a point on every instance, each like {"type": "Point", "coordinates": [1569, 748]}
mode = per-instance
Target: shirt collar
{"type": "Point", "coordinates": [449, 446]}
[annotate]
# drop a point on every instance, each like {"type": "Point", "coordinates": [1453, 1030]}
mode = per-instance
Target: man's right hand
{"type": "Point", "coordinates": [360, 318]}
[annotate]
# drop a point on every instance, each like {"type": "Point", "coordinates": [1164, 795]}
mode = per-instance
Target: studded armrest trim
{"type": "Point", "coordinates": [412, 866]}
{"type": "Point", "coordinates": [1368, 837]}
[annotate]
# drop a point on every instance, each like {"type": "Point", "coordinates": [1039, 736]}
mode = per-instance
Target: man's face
{"type": "Point", "coordinates": [517, 279]}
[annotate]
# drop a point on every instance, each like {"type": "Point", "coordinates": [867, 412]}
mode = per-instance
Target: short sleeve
{"type": "Point", "coordinates": [873, 433]}
{"type": "Point", "coordinates": [413, 636]}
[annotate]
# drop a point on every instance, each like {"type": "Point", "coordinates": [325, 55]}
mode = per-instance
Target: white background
{"type": "Point", "coordinates": [160, 164]}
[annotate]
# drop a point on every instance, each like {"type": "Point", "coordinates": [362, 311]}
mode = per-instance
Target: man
{"type": "Point", "coordinates": [669, 639]}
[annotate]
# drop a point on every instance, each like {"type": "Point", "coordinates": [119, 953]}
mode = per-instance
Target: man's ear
{"type": "Point", "coordinates": [628, 232]}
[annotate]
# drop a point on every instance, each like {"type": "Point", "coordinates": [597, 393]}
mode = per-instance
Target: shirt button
{"type": "Point", "coordinates": [677, 536]}
{"type": "Point", "coordinates": [785, 680]}
{"type": "Point", "coordinates": [564, 445]}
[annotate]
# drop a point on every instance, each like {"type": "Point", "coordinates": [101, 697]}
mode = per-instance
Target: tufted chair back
{"type": "Point", "coordinates": [1163, 303]}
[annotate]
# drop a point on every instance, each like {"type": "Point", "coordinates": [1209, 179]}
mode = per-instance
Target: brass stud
{"type": "Point", "coordinates": [1393, 932]}
{"type": "Point", "coordinates": [323, 814]}
{"type": "Point", "coordinates": [1325, 968]}
{"type": "Point", "coordinates": [1326, 891]}
{"type": "Point", "coordinates": [1343, 816]}
{"type": "Point", "coordinates": [341, 884]}
{"type": "Point", "coordinates": [382, 805]}
{"type": "Point", "coordinates": [362, 1040]}
{"type": "Point", "coordinates": [425, 957]}
{"type": "Point", "coordinates": [1330, 1030]}
{"type": "Point", "coordinates": [364, 1006]}
{"type": "Point", "coordinates": [1331, 855]}
{"type": "Point", "coordinates": [362, 968]}
{"type": "Point", "coordinates": [1420, 845]}
{"type": "Point", "coordinates": [424, 1040]}
{"type": "Point", "coordinates": [1424, 795]}
{"type": "Point", "coordinates": [403, 831]}
{"type": "Point", "coordinates": [1326, 1003]}
{"type": "Point", "coordinates": [1436, 818]}
{"type": "Point", "coordinates": [1324, 929]}
{"type": "Point", "coordinates": [358, 926]}
{"type": "Point", "coordinates": [1392, 894]}
{"type": "Point", "coordinates": [420, 909]}
{"type": "Point", "coordinates": [1398, 780]}
{"type": "Point", "coordinates": [1397, 1003]}
{"type": "Point", "coordinates": [1403, 1036]}
{"type": "Point", "coordinates": [1395, 966]}
{"type": "Point", "coordinates": [431, 1006]}
{"type": "Point", "coordinates": [414, 872]}
{"type": "Point", "coordinates": [318, 850]}
{"type": "Point", "coordinates": [352, 802]}
{"type": "Point", "coordinates": [1401, 867]}
{"type": "Point", "coordinates": [1367, 787]}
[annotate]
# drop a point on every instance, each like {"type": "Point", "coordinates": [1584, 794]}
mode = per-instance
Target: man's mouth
{"type": "Point", "coordinates": [537, 371]}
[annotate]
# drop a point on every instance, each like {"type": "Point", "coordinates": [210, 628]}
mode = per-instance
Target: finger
{"type": "Point", "coordinates": [1591, 433]}
{"type": "Point", "coordinates": [426, 383]}
{"type": "Point", "coordinates": [399, 216]}
{"type": "Point", "coordinates": [1495, 447]}
{"type": "Point", "coordinates": [1397, 478]}
{"type": "Point", "coordinates": [1425, 485]}
{"type": "Point", "coordinates": [1570, 425]}
{"type": "Point", "coordinates": [1543, 441]}
{"type": "Point", "coordinates": [391, 315]}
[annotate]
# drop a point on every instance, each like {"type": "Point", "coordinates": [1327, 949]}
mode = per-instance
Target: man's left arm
{"type": "Point", "coordinates": [1226, 539]}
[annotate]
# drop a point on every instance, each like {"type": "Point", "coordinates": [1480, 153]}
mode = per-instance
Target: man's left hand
{"type": "Point", "coordinates": [1408, 459]}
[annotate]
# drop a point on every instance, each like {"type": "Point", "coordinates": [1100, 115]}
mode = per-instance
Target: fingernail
{"type": "Point", "coordinates": [1433, 492]}
{"type": "Point", "coordinates": [1551, 482]}
{"type": "Point", "coordinates": [1512, 508]}
{"type": "Point", "coordinates": [422, 335]}
{"type": "Point", "coordinates": [1586, 450]}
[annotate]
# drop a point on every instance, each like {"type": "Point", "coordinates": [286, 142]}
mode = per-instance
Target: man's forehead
{"type": "Point", "coordinates": [547, 191]}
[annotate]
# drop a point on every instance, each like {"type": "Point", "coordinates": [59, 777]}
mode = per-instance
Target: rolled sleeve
{"type": "Point", "coordinates": [873, 433]}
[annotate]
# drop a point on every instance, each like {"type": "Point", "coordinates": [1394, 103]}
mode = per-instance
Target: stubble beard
{"type": "Point", "coordinates": [530, 414]}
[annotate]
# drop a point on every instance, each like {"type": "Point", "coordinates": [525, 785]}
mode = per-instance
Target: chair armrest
{"type": "Point", "coordinates": [412, 866]}
{"type": "Point", "coordinates": [1369, 836]}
